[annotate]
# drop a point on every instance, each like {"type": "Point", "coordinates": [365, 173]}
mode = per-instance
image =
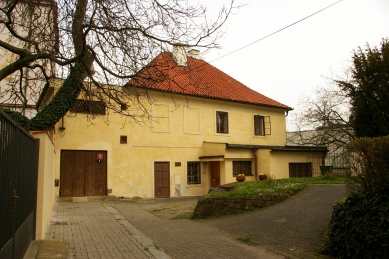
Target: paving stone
{"type": "Point", "coordinates": [152, 228]}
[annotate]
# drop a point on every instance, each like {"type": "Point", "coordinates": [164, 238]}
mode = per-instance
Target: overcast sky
{"type": "Point", "coordinates": [289, 64]}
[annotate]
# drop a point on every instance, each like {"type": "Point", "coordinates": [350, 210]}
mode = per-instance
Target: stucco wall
{"type": "Point", "coordinates": [263, 158]}
{"type": "Point", "coordinates": [279, 162]}
{"type": "Point", "coordinates": [179, 133]}
{"type": "Point", "coordinates": [45, 193]}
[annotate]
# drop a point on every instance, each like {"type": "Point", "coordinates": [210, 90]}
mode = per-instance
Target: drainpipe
{"type": "Point", "coordinates": [256, 164]}
{"type": "Point", "coordinates": [62, 127]}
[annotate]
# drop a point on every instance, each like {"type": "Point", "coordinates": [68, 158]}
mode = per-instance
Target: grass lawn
{"type": "Point", "coordinates": [275, 186]}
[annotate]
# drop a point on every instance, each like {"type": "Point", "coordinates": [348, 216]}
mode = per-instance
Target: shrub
{"type": "Point", "coordinates": [359, 228]}
{"type": "Point", "coordinates": [370, 163]}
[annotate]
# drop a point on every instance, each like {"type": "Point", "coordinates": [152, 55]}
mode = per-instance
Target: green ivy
{"type": "Point", "coordinates": [22, 120]}
{"type": "Point", "coordinates": [359, 228]}
{"type": "Point", "coordinates": [63, 100]}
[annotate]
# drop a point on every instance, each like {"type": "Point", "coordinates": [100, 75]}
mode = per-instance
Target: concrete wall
{"type": "Point", "coordinates": [46, 191]}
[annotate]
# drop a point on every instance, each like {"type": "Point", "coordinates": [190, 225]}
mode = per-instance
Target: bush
{"type": "Point", "coordinates": [359, 228]}
{"type": "Point", "coordinates": [370, 163]}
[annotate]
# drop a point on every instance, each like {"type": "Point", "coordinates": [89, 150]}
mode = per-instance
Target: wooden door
{"type": "Point", "coordinates": [215, 173]}
{"type": "Point", "coordinates": [82, 174]}
{"type": "Point", "coordinates": [72, 173]}
{"type": "Point", "coordinates": [162, 179]}
{"type": "Point", "coordinates": [95, 173]}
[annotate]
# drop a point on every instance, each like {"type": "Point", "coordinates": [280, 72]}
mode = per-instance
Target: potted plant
{"type": "Point", "coordinates": [240, 177]}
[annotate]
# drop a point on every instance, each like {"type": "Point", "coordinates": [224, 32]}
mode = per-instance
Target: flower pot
{"type": "Point", "coordinates": [240, 178]}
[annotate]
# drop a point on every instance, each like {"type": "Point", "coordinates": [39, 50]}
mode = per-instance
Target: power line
{"type": "Point", "coordinates": [276, 31]}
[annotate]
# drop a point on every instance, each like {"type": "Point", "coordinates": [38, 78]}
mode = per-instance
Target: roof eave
{"type": "Point", "coordinates": [214, 98]}
{"type": "Point", "coordinates": [280, 148]}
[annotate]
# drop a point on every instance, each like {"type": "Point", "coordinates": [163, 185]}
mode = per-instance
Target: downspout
{"type": "Point", "coordinates": [256, 164]}
{"type": "Point", "coordinates": [62, 127]}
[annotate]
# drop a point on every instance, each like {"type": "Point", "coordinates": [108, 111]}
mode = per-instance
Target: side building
{"type": "Point", "coordinates": [32, 28]}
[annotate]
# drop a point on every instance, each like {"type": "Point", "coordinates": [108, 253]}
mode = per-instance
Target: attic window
{"type": "Point", "coordinates": [86, 106]}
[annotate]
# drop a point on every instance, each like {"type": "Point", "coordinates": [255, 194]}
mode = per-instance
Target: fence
{"type": "Point", "coordinates": [18, 181]}
{"type": "Point", "coordinates": [340, 164]}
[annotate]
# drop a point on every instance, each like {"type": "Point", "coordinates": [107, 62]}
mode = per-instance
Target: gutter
{"type": "Point", "coordinates": [256, 164]}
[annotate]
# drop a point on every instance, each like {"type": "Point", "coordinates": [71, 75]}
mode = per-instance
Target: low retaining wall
{"type": "Point", "coordinates": [215, 206]}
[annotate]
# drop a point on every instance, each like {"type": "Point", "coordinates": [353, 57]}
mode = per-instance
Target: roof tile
{"type": "Point", "coordinates": [198, 78]}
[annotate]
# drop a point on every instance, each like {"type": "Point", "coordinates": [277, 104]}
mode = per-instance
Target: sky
{"type": "Point", "coordinates": [291, 63]}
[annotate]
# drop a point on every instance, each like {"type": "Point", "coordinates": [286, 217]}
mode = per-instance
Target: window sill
{"type": "Point", "coordinates": [194, 185]}
{"type": "Point", "coordinates": [222, 134]}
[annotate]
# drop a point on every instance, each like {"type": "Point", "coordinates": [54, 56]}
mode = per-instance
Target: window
{"type": "Point", "coordinates": [123, 139]}
{"type": "Point", "coordinates": [86, 106]}
{"type": "Point", "coordinates": [194, 175]}
{"type": "Point", "coordinates": [300, 169]}
{"type": "Point", "coordinates": [123, 107]}
{"type": "Point", "coordinates": [262, 125]}
{"type": "Point", "coordinates": [221, 122]}
{"type": "Point", "coordinates": [241, 167]}
{"type": "Point", "coordinates": [259, 125]}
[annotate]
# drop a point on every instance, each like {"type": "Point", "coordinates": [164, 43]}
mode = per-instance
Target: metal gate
{"type": "Point", "coordinates": [18, 181]}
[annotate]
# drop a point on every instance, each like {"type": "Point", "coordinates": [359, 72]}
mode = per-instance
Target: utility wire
{"type": "Point", "coordinates": [276, 32]}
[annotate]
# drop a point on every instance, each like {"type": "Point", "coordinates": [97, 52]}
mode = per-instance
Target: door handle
{"type": "Point", "coordinates": [15, 198]}
{"type": "Point", "coordinates": [213, 180]}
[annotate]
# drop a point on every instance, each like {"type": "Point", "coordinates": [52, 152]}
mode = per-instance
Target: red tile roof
{"type": "Point", "coordinates": [198, 78]}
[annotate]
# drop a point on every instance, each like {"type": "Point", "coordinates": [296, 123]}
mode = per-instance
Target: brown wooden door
{"type": "Point", "coordinates": [162, 179]}
{"type": "Point", "coordinates": [215, 173]}
{"type": "Point", "coordinates": [82, 174]}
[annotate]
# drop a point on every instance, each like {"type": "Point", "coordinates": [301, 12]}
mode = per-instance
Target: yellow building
{"type": "Point", "coordinates": [205, 128]}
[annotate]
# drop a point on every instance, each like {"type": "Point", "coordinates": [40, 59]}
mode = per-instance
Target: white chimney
{"type": "Point", "coordinates": [194, 53]}
{"type": "Point", "coordinates": [179, 55]}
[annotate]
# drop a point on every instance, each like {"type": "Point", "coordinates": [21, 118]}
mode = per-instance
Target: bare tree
{"type": "Point", "coordinates": [324, 120]}
{"type": "Point", "coordinates": [104, 42]}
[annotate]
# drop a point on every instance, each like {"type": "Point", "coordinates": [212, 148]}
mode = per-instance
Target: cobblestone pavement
{"type": "Point", "coordinates": [93, 231]}
{"type": "Point", "coordinates": [294, 228]}
{"type": "Point", "coordinates": [161, 228]}
{"type": "Point", "coordinates": [185, 238]}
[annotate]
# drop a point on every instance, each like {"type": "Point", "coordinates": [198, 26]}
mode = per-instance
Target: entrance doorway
{"type": "Point", "coordinates": [83, 173]}
{"type": "Point", "coordinates": [215, 173]}
{"type": "Point", "coordinates": [162, 179]}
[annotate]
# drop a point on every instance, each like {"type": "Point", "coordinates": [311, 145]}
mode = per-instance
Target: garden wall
{"type": "Point", "coordinates": [217, 206]}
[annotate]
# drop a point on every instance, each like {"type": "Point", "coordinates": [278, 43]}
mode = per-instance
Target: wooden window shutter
{"type": "Point", "coordinates": [267, 125]}
{"type": "Point", "coordinates": [262, 125]}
